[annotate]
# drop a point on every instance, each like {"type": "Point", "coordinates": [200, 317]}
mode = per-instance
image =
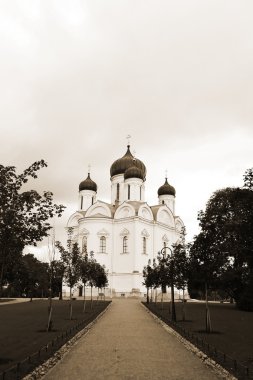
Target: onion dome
{"type": "Point", "coordinates": [166, 189]}
{"type": "Point", "coordinates": [133, 172]}
{"type": "Point", "coordinates": [122, 164]}
{"type": "Point", "coordinates": [88, 184]}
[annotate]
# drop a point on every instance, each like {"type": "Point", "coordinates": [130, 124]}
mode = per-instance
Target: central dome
{"type": "Point", "coordinates": [127, 161]}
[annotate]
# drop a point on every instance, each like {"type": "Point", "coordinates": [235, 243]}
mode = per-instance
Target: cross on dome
{"type": "Point", "coordinates": [128, 139]}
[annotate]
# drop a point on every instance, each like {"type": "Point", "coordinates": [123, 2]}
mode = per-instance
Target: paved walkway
{"type": "Point", "coordinates": [127, 343]}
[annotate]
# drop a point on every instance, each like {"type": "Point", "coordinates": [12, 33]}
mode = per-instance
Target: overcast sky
{"type": "Point", "coordinates": [78, 76]}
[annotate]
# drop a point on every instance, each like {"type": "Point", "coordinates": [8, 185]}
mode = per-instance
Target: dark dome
{"type": "Point", "coordinates": [166, 189]}
{"type": "Point", "coordinates": [88, 184]}
{"type": "Point", "coordinates": [122, 164]}
{"type": "Point", "coordinates": [133, 172]}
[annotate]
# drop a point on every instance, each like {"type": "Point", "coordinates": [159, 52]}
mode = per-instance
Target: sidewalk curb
{"type": "Point", "coordinates": [218, 369]}
{"type": "Point", "coordinates": [40, 371]}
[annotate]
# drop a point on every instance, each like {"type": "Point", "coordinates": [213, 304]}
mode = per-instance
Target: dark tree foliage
{"type": "Point", "coordinates": [92, 273]}
{"type": "Point", "coordinates": [71, 261]}
{"type": "Point", "coordinates": [149, 278]}
{"type": "Point", "coordinates": [30, 278]}
{"type": "Point", "coordinates": [100, 276]}
{"type": "Point", "coordinates": [23, 214]}
{"type": "Point", "coordinates": [222, 254]}
{"type": "Point", "coordinates": [248, 179]}
{"type": "Point", "coordinates": [181, 265]}
{"type": "Point", "coordinates": [57, 277]}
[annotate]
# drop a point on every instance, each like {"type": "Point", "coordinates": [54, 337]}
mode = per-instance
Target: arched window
{"type": "Point", "coordinates": [125, 244]}
{"type": "Point", "coordinates": [117, 196]}
{"type": "Point", "coordinates": [163, 202]}
{"type": "Point", "coordinates": [102, 244]}
{"type": "Point", "coordinates": [84, 245]}
{"type": "Point", "coordinates": [144, 245]}
{"type": "Point", "coordinates": [128, 188]}
{"type": "Point", "coordinates": [81, 202]}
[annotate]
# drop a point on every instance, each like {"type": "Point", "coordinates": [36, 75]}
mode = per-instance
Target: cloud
{"type": "Point", "coordinates": [77, 77]}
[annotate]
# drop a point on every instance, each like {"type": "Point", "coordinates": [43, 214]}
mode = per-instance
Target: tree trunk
{"type": "Point", "coordinates": [84, 298]}
{"type": "Point", "coordinates": [208, 317]}
{"type": "Point", "coordinates": [2, 275]}
{"type": "Point", "coordinates": [147, 294]}
{"type": "Point", "coordinates": [162, 299]}
{"type": "Point", "coordinates": [156, 296]}
{"type": "Point", "coordinates": [70, 305]}
{"type": "Point", "coordinates": [60, 293]}
{"type": "Point", "coordinates": [50, 310]}
{"type": "Point", "coordinates": [173, 309]}
{"type": "Point", "coordinates": [183, 308]}
{"type": "Point", "coordinates": [91, 299]}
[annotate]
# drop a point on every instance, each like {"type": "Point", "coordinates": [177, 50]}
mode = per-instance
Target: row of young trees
{"type": "Point", "coordinates": [220, 258]}
{"type": "Point", "coordinates": [78, 268]}
{"type": "Point", "coordinates": [169, 269]}
{"type": "Point", "coordinates": [24, 220]}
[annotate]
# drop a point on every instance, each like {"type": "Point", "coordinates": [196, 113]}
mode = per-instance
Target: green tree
{"type": "Point", "coordinates": [23, 214]}
{"type": "Point", "coordinates": [148, 275]}
{"type": "Point", "coordinates": [84, 274]}
{"type": "Point", "coordinates": [205, 267]}
{"type": "Point", "coordinates": [30, 277]}
{"type": "Point", "coordinates": [57, 278]}
{"type": "Point", "coordinates": [101, 280]}
{"type": "Point", "coordinates": [71, 258]}
{"type": "Point", "coordinates": [223, 251]}
{"type": "Point", "coordinates": [181, 269]}
{"type": "Point", "coordinates": [92, 275]}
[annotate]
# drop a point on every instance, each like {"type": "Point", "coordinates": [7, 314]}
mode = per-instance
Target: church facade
{"type": "Point", "coordinates": [127, 232]}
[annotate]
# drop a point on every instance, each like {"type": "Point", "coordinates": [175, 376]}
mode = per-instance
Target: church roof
{"type": "Point", "coordinates": [88, 184]}
{"type": "Point", "coordinates": [166, 189]}
{"type": "Point", "coordinates": [136, 205]}
{"type": "Point", "coordinates": [127, 161]}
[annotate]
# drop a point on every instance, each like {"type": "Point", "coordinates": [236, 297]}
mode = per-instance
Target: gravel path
{"type": "Point", "coordinates": [127, 343]}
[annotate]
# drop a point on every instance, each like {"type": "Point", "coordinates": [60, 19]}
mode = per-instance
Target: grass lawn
{"type": "Point", "coordinates": [232, 328]}
{"type": "Point", "coordinates": [23, 325]}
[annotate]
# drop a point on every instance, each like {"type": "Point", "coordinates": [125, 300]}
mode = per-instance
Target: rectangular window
{"type": "Point", "coordinates": [117, 197]}
{"type": "Point", "coordinates": [128, 191]}
{"type": "Point", "coordinates": [144, 246]}
{"type": "Point", "coordinates": [102, 244]}
{"type": "Point", "coordinates": [81, 202]}
{"type": "Point", "coordinates": [125, 244]}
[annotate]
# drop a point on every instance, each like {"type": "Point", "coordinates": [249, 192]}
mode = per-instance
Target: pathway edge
{"type": "Point", "coordinates": [40, 371]}
{"type": "Point", "coordinates": [195, 350]}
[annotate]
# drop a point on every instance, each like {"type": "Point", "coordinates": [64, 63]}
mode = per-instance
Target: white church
{"type": "Point", "coordinates": [127, 232]}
